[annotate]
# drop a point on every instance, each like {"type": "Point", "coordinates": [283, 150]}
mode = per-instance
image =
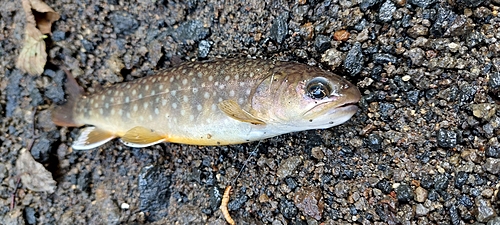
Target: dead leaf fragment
{"type": "Point", "coordinates": [33, 175]}
{"type": "Point", "coordinates": [44, 15]}
{"type": "Point", "coordinates": [33, 57]}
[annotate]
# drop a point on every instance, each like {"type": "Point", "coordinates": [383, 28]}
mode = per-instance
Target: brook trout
{"type": "Point", "coordinates": [210, 103]}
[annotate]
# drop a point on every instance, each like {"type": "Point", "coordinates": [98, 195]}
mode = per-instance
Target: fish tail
{"type": "Point", "coordinates": [63, 115]}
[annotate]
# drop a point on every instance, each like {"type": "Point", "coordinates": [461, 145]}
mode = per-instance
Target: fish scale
{"type": "Point", "coordinates": [210, 103]}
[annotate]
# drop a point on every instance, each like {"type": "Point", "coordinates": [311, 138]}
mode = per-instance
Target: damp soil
{"type": "Point", "coordinates": [422, 149]}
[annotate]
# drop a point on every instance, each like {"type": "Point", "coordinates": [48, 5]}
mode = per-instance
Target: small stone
{"type": "Point", "coordinates": [341, 35]}
{"type": "Point", "coordinates": [492, 165]}
{"type": "Point", "coordinates": [124, 206]}
{"type": "Point", "coordinates": [460, 179]}
{"type": "Point", "coordinates": [354, 60]}
{"type": "Point", "coordinates": [446, 138]}
{"type": "Point", "coordinates": [421, 210]}
{"type": "Point", "coordinates": [288, 166]}
{"type": "Point", "coordinates": [123, 22]}
{"type": "Point", "coordinates": [386, 11]}
{"type": "Point", "coordinates": [420, 194]}
{"type": "Point", "coordinates": [484, 110]}
{"type": "Point", "coordinates": [485, 211]}
{"type": "Point", "coordinates": [279, 29]}
{"type": "Point", "coordinates": [310, 202]}
{"type": "Point", "coordinates": [333, 57]}
{"type": "Point", "coordinates": [404, 193]}
{"type": "Point", "coordinates": [317, 153]}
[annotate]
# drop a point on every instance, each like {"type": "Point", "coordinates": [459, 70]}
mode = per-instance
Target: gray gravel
{"type": "Point", "coordinates": [423, 148]}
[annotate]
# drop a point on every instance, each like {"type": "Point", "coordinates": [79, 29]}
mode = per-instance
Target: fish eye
{"type": "Point", "coordinates": [318, 88]}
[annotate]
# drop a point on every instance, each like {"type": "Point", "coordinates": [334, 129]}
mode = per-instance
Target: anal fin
{"type": "Point", "coordinates": [139, 137]}
{"type": "Point", "coordinates": [91, 137]}
{"type": "Point", "coordinates": [233, 110]}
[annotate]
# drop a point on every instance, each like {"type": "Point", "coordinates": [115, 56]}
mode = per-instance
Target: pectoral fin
{"type": "Point", "coordinates": [233, 110]}
{"type": "Point", "coordinates": [139, 137]}
{"type": "Point", "coordinates": [91, 137]}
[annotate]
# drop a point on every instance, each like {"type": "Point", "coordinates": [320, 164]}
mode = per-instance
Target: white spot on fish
{"type": "Point", "coordinates": [160, 87]}
{"type": "Point", "coordinates": [112, 111]}
{"type": "Point", "coordinates": [174, 105]}
{"type": "Point", "coordinates": [120, 112]}
{"type": "Point", "coordinates": [240, 101]}
{"type": "Point", "coordinates": [206, 95]}
{"type": "Point", "coordinates": [203, 84]}
{"type": "Point", "coordinates": [141, 118]}
{"type": "Point", "coordinates": [171, 78]}
{"type": "Point", "coordinates": [153, 92]}
{"type": "Point", "coordinates": [191, 118]}
{"type": "Point", "coordinates": [157, 111]}
{"type": "Point", "coordinates": [139, 96]}
{"type": "Point", "coordinates": [236, 77]}
{"type": "Point", "coordinates": [226, 78]}
{"type": "Point", "coordinates": [213, 107]}
{"type": "Point", "coordinates": [199, 107]}
{"type": "Point", "coordinates": [127, 99]}
{"type": "Point", "coordinates": [195, 90]}
{"type": "Point", "coordinates": [134, 92]}
{"type": "Point", "coordinates": [222, 86]}
{"type": "Point", "coordinates": [135, 108]}
{"type": "Point", "coordinates": [166, 116]}
{"type": "Point", "coordinates": [184, 81]}
{"type": "Point", "coordinates": [128, 115]}
{"type": "Point", "coordinates": [220, 100]}
{"type": "Point", "coordinates": [164, 102]}
{"type": "Point", "coordinates": [128, 86]}
{"type": "Point", "coordinates": [150, 117]}
{"type": "Point", "coordinates": [210, 78]}
{"type": "Point", "coordinates": [183, 112]}
{"type": "Point", "coordinates": [106, 105]}
{"type": "Point", "coordinates": [145, 105]}
{"type": "Point", "coordinates": [251, 74]}
{"type": "Point", "coordinates": [200, 75]}
{"type": "Point", "coordinates": [173, 93]}
{"type": "Point", "coordinates": [146, 87]}
{"type": "Point", "coordinates": [112, 100]}
{"type": "Point", "coordinates": [248, 91]}
{"type": "Point", "coordinates": [109, 92]}
{"type": "Point", "coordinates": [231, 93]}
{"type": "Point", "coordinates": [103, 97]}
{"type": "Point", "coordinates": [185, 98]}
{"type": "Point", "coordinates": [96, 105]}
{"type": "Point", "coordinates": [101, 111]}
{"type": "Point", "coordinates": [242, 84]}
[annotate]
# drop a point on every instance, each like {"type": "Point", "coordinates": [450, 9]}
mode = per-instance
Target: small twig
{"type": "Point", "coordinates": [223, 206]}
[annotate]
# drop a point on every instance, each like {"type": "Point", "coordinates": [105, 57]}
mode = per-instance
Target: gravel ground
{"type": "Point", "coordinates": [423, 148]}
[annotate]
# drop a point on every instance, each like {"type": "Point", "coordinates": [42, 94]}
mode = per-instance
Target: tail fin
{"type": "Point", "coordinates": [63, 115]}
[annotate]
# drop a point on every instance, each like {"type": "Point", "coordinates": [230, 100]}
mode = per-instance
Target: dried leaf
{"type": "Point", "coordinates": [33, 57]}
{"type": "Point", "coordinates": [33, 175]}
{"type": "Point", "coordinates": [46, 17]}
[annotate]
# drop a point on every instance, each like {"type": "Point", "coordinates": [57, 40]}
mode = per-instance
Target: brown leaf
{"type": "Point", "coordinates": [33, 57]}
{"type": "Point", "coordinates": [33, 175]}
{"type": "Point", "coordinates": [45, 16]}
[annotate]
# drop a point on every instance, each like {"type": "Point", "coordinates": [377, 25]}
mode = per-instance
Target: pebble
{"type": "Point", "coordinates": [332, 57]}
{"type": "Point", "coordinates": [288, 209]}
{"type": "Point", "coordinates": [484, 110]}
{"type": "Point", "coordinates": [322, 43]}
{"type": "Point", "coordinates": [421, 210]}
{"type": "Point", "coordinates": [309, 201]}
{"type": "Point", "coordinates": [154, 193]}
{"type": "Point", "coordinates": [386, 11]}
{"type": "Point", "coordinates": [354, 60]}
{"type": "Point", "coordinates": [460, 179]}
{"type": "Point", "coordinates": [123, 22]}
{"type": "Point", "coordinates": [420, 194]}
{"type": "Point", "coordinates": [492, 165]}
{"type": "Point", "coordinates": [485, 211]}
{"type": "Point", "coordinates": [279, 29]}
{"type": "Point", "coordinates": [404, 193]}
{"type": "Point", "coordinates": [288, 166]}
{"type": "Point", "coordinates": [446, 138]}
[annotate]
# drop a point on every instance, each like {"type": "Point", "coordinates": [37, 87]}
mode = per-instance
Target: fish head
{"type": "Point", "coordinates": [309, 98]}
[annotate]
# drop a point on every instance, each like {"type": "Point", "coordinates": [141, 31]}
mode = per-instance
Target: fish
{"type": "Point", "coordinates": [209, 103]}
